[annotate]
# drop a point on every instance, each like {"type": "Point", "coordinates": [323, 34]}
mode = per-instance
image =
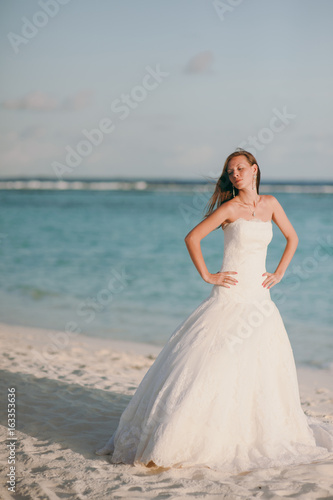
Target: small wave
{"type": "Point", "coordinates": [302, 189]}
{"type": "Point", "coordinates": [154, 185]}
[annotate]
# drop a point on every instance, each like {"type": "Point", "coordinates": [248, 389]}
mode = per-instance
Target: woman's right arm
{"type": "Point", "coordinates": [193, 239]}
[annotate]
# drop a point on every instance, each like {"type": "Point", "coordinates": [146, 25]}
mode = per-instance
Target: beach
{"type": "Point", "coordinates": [166, 248]}
{"type": "Point", "coordinates": [70, 391]}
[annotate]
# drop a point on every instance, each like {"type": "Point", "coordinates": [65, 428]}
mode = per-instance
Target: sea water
{"type": "Point", "coordinates": [114, 264]}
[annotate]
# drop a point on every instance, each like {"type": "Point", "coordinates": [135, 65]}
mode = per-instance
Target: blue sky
{"type": "Point", "coordinates": [255, 73]}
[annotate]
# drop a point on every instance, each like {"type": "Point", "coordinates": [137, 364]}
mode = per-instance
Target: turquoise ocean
{"type": "Point", "coordinates": [109, 259]}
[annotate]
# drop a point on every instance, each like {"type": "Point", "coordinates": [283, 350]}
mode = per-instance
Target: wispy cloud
{"type": "Point", "coordinates": [41, 101]}
{"type": "Point", "coordinates": [200, 63]}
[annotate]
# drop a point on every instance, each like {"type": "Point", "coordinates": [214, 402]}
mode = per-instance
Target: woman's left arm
{"type": "Point", "coordinates": [281, 220]}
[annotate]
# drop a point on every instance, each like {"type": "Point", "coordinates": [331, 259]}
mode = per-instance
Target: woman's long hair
{"type": "Point", "coordinates": [223, 188]}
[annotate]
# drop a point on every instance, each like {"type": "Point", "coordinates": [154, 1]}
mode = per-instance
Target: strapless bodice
{"type": "Point", "coordinates": [245, 250]}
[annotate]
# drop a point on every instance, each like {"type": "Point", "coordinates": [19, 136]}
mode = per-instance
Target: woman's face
{"type": "Point", "coordinates": [240, 172]}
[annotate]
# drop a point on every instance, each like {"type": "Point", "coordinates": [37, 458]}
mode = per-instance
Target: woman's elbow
{"type": "Point", "coordinates": [190, 238]}
{"type": "Point", "coordinates": [187, 238]}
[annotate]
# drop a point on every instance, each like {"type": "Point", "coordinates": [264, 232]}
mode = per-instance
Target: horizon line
{"type": "Point", "coordinates": [154, 180]}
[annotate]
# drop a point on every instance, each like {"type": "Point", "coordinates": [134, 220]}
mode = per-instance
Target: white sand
{"type": "Point", "coordinates": [71, 391]}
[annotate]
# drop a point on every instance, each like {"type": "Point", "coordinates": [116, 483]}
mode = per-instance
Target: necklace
{"type": "Point", "coordinates": [253, 211]}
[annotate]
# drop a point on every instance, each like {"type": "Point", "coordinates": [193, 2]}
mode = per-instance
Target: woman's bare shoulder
{"type": "Point", "coordinates": [230, 203]}
{"type": "Point", "coordinates": [269, 199]}
{"type": "Point", "coordinates": [228, 207]}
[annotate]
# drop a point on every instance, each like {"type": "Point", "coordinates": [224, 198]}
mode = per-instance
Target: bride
{"type": "Point", "coordinates": [223, 391]}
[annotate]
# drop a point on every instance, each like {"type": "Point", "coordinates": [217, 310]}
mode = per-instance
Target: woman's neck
{"type": "Point", "coordinates": [248, 198]}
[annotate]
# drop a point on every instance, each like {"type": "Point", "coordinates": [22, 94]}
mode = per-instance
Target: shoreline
{"type": "Point", "coordinates": [44, 336]}
{"type": "Point", "coordinates": [69, 399]}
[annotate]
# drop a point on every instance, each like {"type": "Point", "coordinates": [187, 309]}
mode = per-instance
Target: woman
{"type": "Point", "coordinates": [223, 391]}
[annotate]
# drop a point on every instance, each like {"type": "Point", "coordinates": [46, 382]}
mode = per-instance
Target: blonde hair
{"type": "Point", "coordinates": [223, 188]}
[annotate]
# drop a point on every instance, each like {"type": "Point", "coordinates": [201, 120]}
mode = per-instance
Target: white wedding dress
{"type": "Point", "coordinates": [223, 391]}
